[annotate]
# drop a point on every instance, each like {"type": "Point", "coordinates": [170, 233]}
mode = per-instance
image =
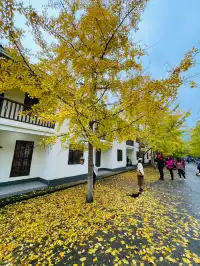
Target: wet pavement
{"type": "Point", "coordinates": [188, 190]}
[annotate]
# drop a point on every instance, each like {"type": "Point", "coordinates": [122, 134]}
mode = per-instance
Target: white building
{"type": "Point", "coordinates": [22, 159]}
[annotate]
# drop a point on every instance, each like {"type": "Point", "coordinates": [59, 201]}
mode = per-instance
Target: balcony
{"type": "Point", "coordinates": [130, 142]}
{"type": "Point", "coordinates": [11, 110]}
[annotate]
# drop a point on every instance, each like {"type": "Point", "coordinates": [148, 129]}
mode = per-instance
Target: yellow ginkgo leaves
{"type": "Point", "coordinates": [61, 228]}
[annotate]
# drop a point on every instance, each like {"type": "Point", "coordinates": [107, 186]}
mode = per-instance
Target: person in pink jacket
{"type": "Point", "coordinates": [180, 165]}
{"type": "Point", "coordinates": [170, 167]}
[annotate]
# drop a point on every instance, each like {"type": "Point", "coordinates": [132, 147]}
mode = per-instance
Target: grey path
{"type": "Point", "coordinates": [189, 189]}
{"type": "Point", "coordinates": [15, 189]}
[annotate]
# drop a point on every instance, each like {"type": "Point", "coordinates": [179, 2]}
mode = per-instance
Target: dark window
{"type": "Point", "coordinates": [147, 155]}
{"type": "Point", "coordinates": [74, 156]}
{"type": "Point", "coordinates": [1, 102]}
{"type": "Point", "coordinates": [119, 155]}
{"type": "Point", "coordinates": [22, 158]}
{"type": "Point", "coordinates": [98, 158]}
{"type": "Point", "coordinates": [29, 102]}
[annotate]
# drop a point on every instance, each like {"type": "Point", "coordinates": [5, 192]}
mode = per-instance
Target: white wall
{"type": "Point", "coordinates": [57, 164]}
{"type": "Point", "coordinates": [149, 157]}
{"type": "Point", "coordinates": [106, 161]}
{"type": "Point", "coordinates": [120, 146]}
{"type": "Point", "coordinates": [15, 126]}
{"type": "Point", "coordinates": [8, 141]}
{"type": "Point", "coordinates": [15, 95]}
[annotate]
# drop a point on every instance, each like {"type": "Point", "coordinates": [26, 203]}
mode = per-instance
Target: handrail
{"type": "Point", "coordinates": [10, 109]}
{"type": "Point", "coordinates": [4, 98]}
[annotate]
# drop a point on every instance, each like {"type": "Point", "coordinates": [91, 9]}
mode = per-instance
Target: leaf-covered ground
{"type": "Point", "coordinates": [60, 229]}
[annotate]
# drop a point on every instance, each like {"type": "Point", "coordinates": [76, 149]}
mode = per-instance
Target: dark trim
{"type": "Point", "coordinates": [16, 182]}
{"type": "Point", "coordinates": [104, 169]}
{"type": "Point", "coordinates": [113, 170]}
{"type": "Point", "coordinates": [119, 169]}
{"type": "Point", "coordinates": [67, 180]}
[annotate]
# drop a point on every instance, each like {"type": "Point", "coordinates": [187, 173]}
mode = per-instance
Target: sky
{"type": "Point", "coordinates": [170, 28]}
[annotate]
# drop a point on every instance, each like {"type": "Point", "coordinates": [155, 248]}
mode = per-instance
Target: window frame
{"type": "Point", "coordinates": [22, 159]}
{"type": "Point", "coordinates": [98, 156]}
{"type": "Point", "coordinates": [119, 155]}
{"type": "Point", "coordinates": [74, 154]}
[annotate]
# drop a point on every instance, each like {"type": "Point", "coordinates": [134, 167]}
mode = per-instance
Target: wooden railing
{"type": "Point", "coordinates": [130, 142]}
{"type": "Point", "coordinates": [12, 110]}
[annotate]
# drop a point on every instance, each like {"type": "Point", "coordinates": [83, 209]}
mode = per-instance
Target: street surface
{"type": "Point", "coordinates": [189, 189]}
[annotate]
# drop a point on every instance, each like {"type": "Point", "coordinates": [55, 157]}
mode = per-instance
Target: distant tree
{"type": "Point", "coordinates": [194, 142]}
{"type": "Point", "coordinates": [165, 134]}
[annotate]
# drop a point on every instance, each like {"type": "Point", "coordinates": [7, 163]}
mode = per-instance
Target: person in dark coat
{"type": "Point", "coordinates": [127, 161]}
{"type": "Point", "coordinates": [161, 163]}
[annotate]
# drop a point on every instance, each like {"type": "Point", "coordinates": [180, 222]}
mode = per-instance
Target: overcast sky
{"type": "Point", "coordinates": [171, 27]}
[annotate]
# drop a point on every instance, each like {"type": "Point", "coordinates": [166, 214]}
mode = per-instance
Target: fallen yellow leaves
{"type": "Point", "coordinates": [60, 227]}
{"type": "Point", "coordinates": [196, 260]}
{"type": "Point", "coordinates": [82, 259]}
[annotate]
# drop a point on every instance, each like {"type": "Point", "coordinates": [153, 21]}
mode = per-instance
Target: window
{"type": "Point", "coordinates": [29, 102]}
{"type": "Point", "coordinates": [98, 158]}
{"type": "Point", "coordinates": [119, 155]}
{"type": "Point", "coordinates": [147, 155]}
{"type": "Point", "coordinates": [22, 158]}
{"type": "Point", "coordinates": [74, 156]}
{"type": "Point", "coordinates": [1, 101]}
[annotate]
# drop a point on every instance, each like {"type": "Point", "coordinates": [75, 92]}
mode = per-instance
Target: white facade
{"type": "Point", "coordinates": [49, 163]}
{"type": "Point", "coordinates": [8, 141]}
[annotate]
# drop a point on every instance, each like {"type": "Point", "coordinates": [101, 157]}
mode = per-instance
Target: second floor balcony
{"type": "Point", "coordinates": [130, 142]}
{"type": "Point", "coordinates": [13, 110]}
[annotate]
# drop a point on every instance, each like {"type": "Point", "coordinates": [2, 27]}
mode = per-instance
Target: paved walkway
{"type": "Point", "coordinates": [189, 189]}
{"type": "Point", "coordinates": [15, 189]}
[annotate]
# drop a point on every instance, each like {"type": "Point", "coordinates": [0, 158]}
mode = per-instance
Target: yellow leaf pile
{"type": "Point", "coordinates": [115, 230]}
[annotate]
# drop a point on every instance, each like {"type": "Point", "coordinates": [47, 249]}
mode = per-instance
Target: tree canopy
{"type": "Point", "coordinates": [194, 143]}
{"type": "Point", "coordinates": [88, 70]}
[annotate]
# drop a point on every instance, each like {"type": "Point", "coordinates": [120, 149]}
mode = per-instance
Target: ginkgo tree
{"type": "Point", "coordinates": [165, 134]}
{"type": "Point", "coordinates": [194, 143]}
{"type": "Point", "coordinates": [87, 72]}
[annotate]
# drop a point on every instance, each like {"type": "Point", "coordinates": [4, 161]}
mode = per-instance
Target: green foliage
{"type": "Point", "coordinates": [195, 140]}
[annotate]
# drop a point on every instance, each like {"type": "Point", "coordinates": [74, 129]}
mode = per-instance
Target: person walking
{"type": "Point", "coordinates": [95, 171]}
{"type": "Point", "coordinates": [180, 165]}
{"type": "Point", "coordinates": [170, 167]}
{"type": "Point", "coordinates": [127, 161]}
{"type": "Point", "coordinates": [198, 167]}
{"type": "Point", "coordinates": [140, 174]}
{"type": "Point", "coordinates": [160, 163]}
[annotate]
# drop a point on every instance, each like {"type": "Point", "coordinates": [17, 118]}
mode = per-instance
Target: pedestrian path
{"type": "Point", "coordinates": [15, 189]}
{"type": "Point", "coordinates": [189, 189]}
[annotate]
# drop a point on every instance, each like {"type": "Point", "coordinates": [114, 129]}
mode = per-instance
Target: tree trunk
{"type": "Point", "coordinates": [89, 197]}
{"type": "Point", "coordinates": [152, 157]}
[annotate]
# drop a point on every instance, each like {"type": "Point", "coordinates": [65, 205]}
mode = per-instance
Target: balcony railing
{"type": "Point", "coordinates": [12, 110]}
{"type": "Point", "coordinates": [130, 142]}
